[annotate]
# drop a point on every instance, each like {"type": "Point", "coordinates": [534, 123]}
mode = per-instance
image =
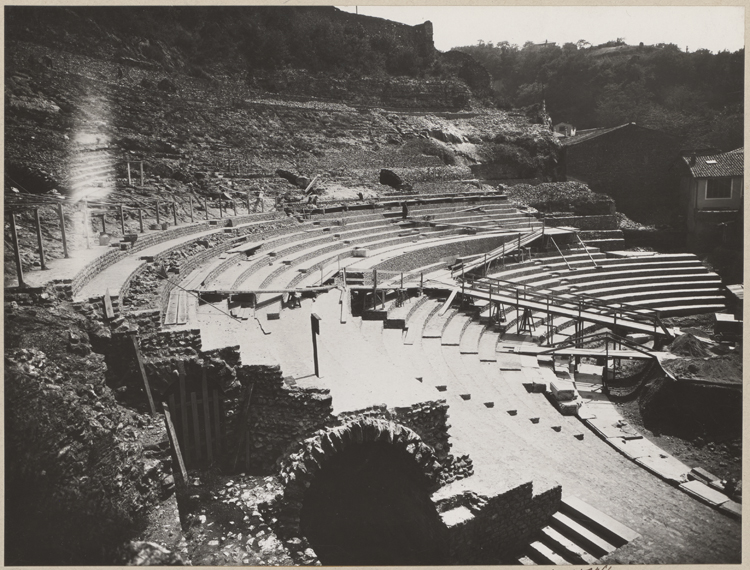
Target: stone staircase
{"type": "Point", "coordinates": [578, 534]}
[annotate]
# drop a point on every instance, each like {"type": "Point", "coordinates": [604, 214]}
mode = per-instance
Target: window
{"type": "Point", "coordinates": [718, 188]}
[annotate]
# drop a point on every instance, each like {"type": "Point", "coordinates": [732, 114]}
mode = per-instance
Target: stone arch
{"type": "Point", "coordinates": [299, 468]}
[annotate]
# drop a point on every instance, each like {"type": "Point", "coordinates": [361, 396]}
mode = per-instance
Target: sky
{"type": "Point", "coordinates": [715, 28]}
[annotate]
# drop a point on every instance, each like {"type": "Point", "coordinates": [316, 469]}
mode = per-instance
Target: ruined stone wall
{"type": "Point", "coordinates": [280, 415]}
{"type": "Point", "coordinates": [492, 530]}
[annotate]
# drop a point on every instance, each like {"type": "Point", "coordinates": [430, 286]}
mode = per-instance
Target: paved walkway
{"type": "Point", "coordinates": [58, 269]}
{"type": "Point", "coordinates": [115, 276]}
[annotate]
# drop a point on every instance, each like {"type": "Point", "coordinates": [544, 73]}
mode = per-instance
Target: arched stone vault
{"type": "Point", "coordinates": [299, 468]}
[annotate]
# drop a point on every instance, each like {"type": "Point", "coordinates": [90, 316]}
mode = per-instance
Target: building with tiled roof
{"type": "Point", "coordinates": [711, 197]}
{"type": "Point", "coordinates": [630, 163]}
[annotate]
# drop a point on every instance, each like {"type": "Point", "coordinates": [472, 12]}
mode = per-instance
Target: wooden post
{"type": "Point", "coordinates": [86, 224]}
{"type": "Point", "coordinates": [315, 326]}
{"type": "Point", "coordinates": [158, 215]}
{"type": "Point", "coordinates": [140, 218]}
{"type": "Point", "coordinates": [39, 237]}
{"type": "Point", "coordinates": [174, 212]}
{"type": "Point", "coordinates": [221, 206]}
{"type": "Point", "coordinates": [196, 425]}
{"type": "Point", "coordinates": [183, 410]}
{"type": "Point", "coordinates": [192, 219]}
{"type": "Point", "coordinates": [141, 173]}
{"type": "Point", "coordinates": [207, 416]}
{"type": "Point", "coordinates": [205, 206]}
{"type": "Point", "coordinates": [104, 223]}
{"type": "Point", "coordinates": [242, 425]}
{"type": "Point", "coordinates": [248, 201]}
{"type": "Point", "coordinates": [130, 180]}
{"type": "Point", "coordinates": [61, 215]}
{"type": "Point", "coordinates": [421, 280]}
{"type": "Point", "coordinates": [16, 250]}
{"type": "Point", "coordinates": [142, 370]}
{"type": "Point", "coordinates": [402, 279]}
{"type": "Point", "coordinates": [122, 219]}
{"type": "Point", "coordinates": [234, 206]}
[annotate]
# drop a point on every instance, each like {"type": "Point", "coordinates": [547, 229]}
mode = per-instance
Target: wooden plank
{"type": "Point", "coordinates": [183, 411]}
{"type": "Point", "coordinates": [448, 302]}
{"type": "Point", "coordinates": [109, 310]}
{"type": "Point", "coordinates": [196, 426]}
{"type": "Point", "coordinates": [207, 417]}
{"type": "Point", "coordinates": [247, 450]}
{"type": "Point", "coordinates": [142, 370]}
{"type": "Point", "coordinates": [242, 423]}
{"type": "Point", "coordinates": [182, 312]}
{"type": "Point", "coordinates": [181, 472]}
{"type": "Point", "coordinates": [170, 315]}
{"type": "Point", "coordinates": [217, 422]}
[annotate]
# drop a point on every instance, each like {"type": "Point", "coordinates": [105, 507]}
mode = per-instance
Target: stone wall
{"type": "Point", "coordinates": [632, 164]}
{"type": "Point", "coordinates": [390, 93]}
{"type": "Point", "coordinates": [601, 222]}
{"type": "Point", "coordinates": [493, 530]}
{"type": "Point", "coordinates": [280, 415]}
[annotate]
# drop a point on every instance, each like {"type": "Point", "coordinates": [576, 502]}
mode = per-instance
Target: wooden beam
{"type": "Point", "coordinates": [183, 410]}
{"type": "Point", "coordinates": [142, 370]}
{"type": "Point", "coordinates": [109, 311]}
{"type": "Point", "coordinates": [180, 473]}
{"type": "Point", "coordinates": [174, 212]}
{"type": "Point", "coordinates": [16, 251]}
{"type": "Point", "coordinates": [122, 219]}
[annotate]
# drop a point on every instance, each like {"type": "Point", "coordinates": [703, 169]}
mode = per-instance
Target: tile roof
{"type": "Point", "coordinates": [717, 165]}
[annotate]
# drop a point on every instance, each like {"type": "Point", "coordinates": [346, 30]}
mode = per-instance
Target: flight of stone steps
{"type": "Point", "coordinates": [92, 174]}
{"type": "Point", "coordinates": [578, 534]}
